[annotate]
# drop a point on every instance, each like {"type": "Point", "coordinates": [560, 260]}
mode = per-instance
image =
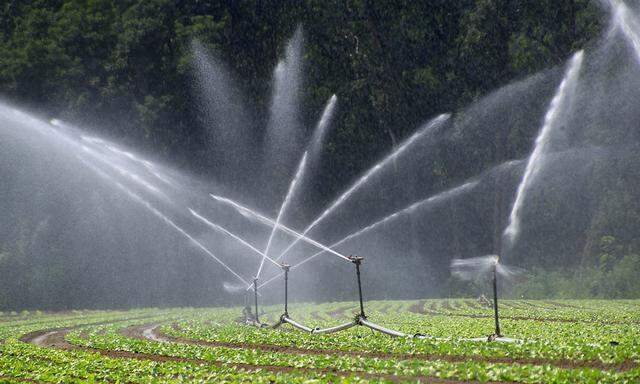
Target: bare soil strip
{"type": "Point", "coordinates": [385, 309]}
{"type": "Point", "coordinates": [138, 332]}
{"type": "Point", "coordinates": [4, 378]}
{"type": "Point", "coordinates": [56, 339]}
{"type": "Point", "coordinates": [563, 305]}
{"type": "Point", "coordinates": [340, 313]}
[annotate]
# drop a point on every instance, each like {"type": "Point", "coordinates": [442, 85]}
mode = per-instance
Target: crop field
{"type": "Point", "coordinates": [555, 342]}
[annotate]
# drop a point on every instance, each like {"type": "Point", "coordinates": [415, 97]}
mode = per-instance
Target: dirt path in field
{"type": "Point", "coordinates": [385, 309]}
{"type": "Point", "coordinates": [315, 315]}
{"type": "Point", "coordinates": [151, 332]}
{"type": "Point", "coordinates": [18, 379]}
{"type": "Point", "coordinates": [341, 313]}
{"type": "Point", "coordinates": [56, 339]}
{"type": "Point", "coordinates": [419, 308]}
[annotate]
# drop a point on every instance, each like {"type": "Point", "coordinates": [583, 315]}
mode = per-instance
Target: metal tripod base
{"type": "Point", "coordinates": [358, 321]}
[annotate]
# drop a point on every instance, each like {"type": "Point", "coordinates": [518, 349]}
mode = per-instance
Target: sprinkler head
{"type": "Point", "coordinates": [356, 259]}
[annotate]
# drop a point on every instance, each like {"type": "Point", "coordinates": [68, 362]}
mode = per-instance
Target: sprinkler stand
{"type": "Point", "coordinates": [255, 295]}
{"type": "Point", "coordinates": [286, 268]}
{"type": "Point", "coordinates": [284, 318]}
{"type": "Point", "coordinates": [357, 260]}
{"type": "Point", "coordinates": [360, 319]}
{"type": "Point", "coordinates": [248, 316]}
{"type": "Point", "coordinates": [256, 320]}
{"type": "Point", "coordinates": [495, 301]}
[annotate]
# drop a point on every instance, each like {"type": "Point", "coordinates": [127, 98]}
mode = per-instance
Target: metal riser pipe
{"type": "Point", "coordinates": [495, 301]}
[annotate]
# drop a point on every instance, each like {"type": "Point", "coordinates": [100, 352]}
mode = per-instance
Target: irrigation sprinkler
{"type": "Point", "coordinates": [357, 261]}
{"type": "Point", "coordinates": [285, 268]}
{"type": "Point", "coordinates": [255, 295]}
{"type": "Point", "coordinates": [495, 297]}
{"type": "Point", "coordinates": [249, 318]}
{"type": "Point", "coordinates": [361, 318]}
{"type": "Point", "coordinates": [284, 318]}
{"type": "Point", "coordinates": [252, 320]}
{"type": "Point", "coordinates": [472, 268]}
{"type": "Point", "coordinates": [285, 314]}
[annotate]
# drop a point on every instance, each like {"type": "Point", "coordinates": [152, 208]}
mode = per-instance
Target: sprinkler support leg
{"type": "Point", "coordinates": [495, 300]}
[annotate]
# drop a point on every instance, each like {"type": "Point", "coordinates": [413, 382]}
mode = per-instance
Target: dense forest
{"type": "Point", "coordinates": [125, 69]}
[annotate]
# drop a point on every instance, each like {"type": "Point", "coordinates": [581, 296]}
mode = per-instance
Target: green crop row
{"type": "Point", "coordinates": [109, 338]}
{"type": "Point", "coordinates": [606, 333]}
{"type": "Point", "coordinates": [608, 344]}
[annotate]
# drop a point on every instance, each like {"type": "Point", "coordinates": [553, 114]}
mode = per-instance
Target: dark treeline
{"type": "Point", "coordinates": [124, 68]}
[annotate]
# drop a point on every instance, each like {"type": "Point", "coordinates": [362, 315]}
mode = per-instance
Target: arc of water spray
{"type": "Point", "coordinates": [94, 141]}
{"type": "Point", "coordinates": [542, 142]}
{"type": "Point", "coordinates": [270, 222]}
{"type": "Point", "coordinates": [133, 176]}
{"type": "Point", "coordinates": [220, 228]}
{"type": "Point", "coordinates": [321, 128]}
{"type": "Point", "coordinates": [94, 155]}
{"type": "Point", "coordinates": [102, 158]}
{"type": "Point", "coordinates": [316, 140]}
{"type": "Point", "coordinates": [161, 216]}
{"type": "Point", "coordinates": [405, 211]}
{"type": "Point", "coordinates": [283, 208]}
{"type": "Point", "coordinates": [622, 19]}
{"type": "Point", "coordinates": [434, 123]}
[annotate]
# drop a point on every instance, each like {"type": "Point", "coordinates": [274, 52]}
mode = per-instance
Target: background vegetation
{"type": "Point", "coordinates": [124, 68]}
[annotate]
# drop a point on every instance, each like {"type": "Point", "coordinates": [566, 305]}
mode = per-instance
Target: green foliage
{"type": "Point", "coordinates": [397, 63]}
{"type": "Point", "coordinates": [613, 275]}
{"type": "Point", "coordinates": [560, 342]}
